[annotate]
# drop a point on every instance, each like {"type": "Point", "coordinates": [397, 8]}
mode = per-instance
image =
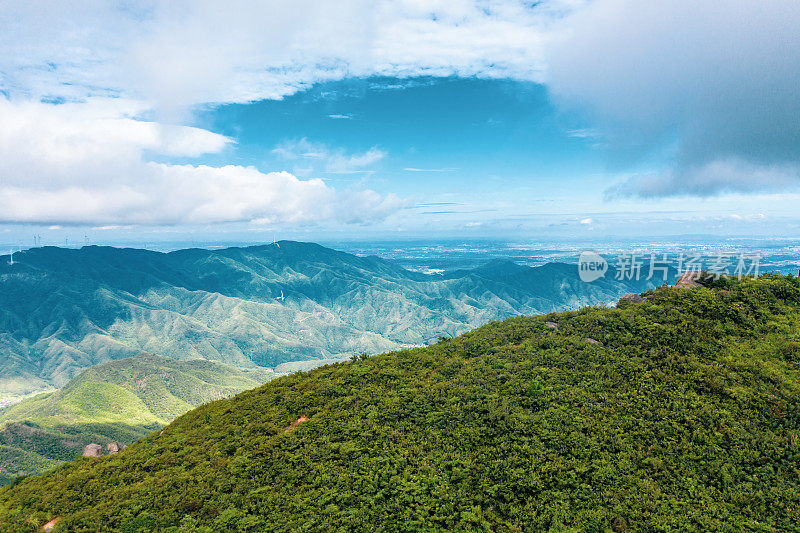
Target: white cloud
{"type": "Point", "coordinates": [586, 221]}
{"type": "Point", "coordinates": [98, 141]}
{"type": "Point", "coordinates": [313, 157]}
{"type": "Point", "coordinates": [182, 52]}
{"type": "Point", "coordinates": [173, 194]}
{"type": "Point", "coordinates": [344, 164]}
{"type": "Point", "coordinates": [748, 218]}
{"type": "Point", "coordinates": [584, 133]}
{"type": "Point", "coordinates": [412, 169]}
{"type": "Point", "coordinates": [84, 163]}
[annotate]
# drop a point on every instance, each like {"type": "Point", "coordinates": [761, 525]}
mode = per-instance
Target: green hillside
{"type": "Point", "coordinates": [29, 448]}
{"type": "Point", "coordinates": [140, 390]}
{"type": "Point", "coordinates": [15, 460]}
{"type": "Point", "coordinates": [120, 401]}
{"type": "Point", "coordinates": [65, 310]}
{"type": "Point", "coordinates": [680, 413]}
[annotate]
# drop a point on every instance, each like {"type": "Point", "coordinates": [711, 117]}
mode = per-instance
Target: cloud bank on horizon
{"type": "Point", "coordinates": [96, 98]}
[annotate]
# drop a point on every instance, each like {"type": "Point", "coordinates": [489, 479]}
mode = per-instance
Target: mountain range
{"type": "Point", "coordinates": [65, 310]}
{"type": "Point", "coordinates": [676, 411]}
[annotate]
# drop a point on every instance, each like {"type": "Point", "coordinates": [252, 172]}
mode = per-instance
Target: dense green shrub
{"type": "Point", "coordinates": [685, 417]}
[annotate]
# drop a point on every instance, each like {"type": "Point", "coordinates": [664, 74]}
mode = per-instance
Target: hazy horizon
{"type": "Point", "coordinates": [442, 255]}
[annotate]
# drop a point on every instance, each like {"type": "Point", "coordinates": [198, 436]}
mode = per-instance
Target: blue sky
{"type": "Point", "coordinates": [437, 135]}
{"type": "Point", "coordinates": [466, 119]}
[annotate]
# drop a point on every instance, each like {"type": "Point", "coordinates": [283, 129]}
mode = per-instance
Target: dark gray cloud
{"type": "Point", "coordinates": [714, 177]}
{"type": "Point", "coordinates": [712, 87]}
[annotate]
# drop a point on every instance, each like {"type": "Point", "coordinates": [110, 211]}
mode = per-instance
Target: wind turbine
{"type": "Point", "coordinates": [281, 297]}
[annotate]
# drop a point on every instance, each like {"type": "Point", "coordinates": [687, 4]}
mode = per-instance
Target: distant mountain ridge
{"type": "Point", "coordinates": [64, 310]}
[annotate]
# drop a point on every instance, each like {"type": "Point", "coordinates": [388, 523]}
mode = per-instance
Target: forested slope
{"type": "Point", "coordinates": [120, 401]}
{"type": "Point", "coordinates": [679, 413]}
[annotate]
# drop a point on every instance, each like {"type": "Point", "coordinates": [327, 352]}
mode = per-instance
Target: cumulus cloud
{"type": "Point", "coordinates": [716, 80]}
{"type": "Point", "coordinates": [94, 141]}
{"type": "Point", "coordinates": [84, 163]}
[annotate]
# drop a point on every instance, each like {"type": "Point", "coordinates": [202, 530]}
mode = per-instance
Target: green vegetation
{"type": "Point", "coordinates": [28, 448]}
{"type": "Point", "coordinates": [15, 460]}
{"type": "Point", "coordinates": [685, 416]}
{"type": "Point", "coordinates": [140, 390]}
{"type": "Point", "coordinates": [65, 310]}
{"type": "Point", "coordinates": [121, 401]}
